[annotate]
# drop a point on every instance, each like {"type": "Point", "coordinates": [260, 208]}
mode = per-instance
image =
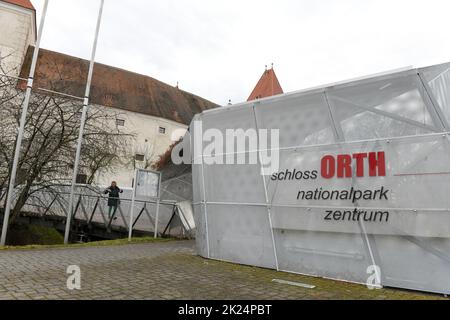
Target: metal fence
{"type": "Point", "coordinates": [91, 207]}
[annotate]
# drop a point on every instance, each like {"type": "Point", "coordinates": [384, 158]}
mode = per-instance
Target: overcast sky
{"type": "Point", "coordinates": [218, 49]}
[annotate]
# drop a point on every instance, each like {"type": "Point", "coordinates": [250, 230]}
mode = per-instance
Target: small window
{"type": "Point", "coordinates": [81, 179]}
{"type": "Point", "coordinates": [22, 175]}
{"type": "Point", "coordinates": [162, 130]}
{"type": "Point", "coordinates": [140, 157]}
{"type": "Point", "coordinates": [120, 122]}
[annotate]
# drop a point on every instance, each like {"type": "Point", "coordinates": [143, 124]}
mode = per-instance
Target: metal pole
{"type": "Point", "coordinates": [205, 210]}
{"type": "Point", "coordinates": [156, 219]}
{"type": "Point", "coordinates": [133, 198]}
{"type": "Point", "coordinates": [266, 194]}
{"type": "Point", "coordinates": [83, 120]}
{"type": "Point", "coordinates": [23, 119]}
{"type": "Point", "coordinates": [157, 207]}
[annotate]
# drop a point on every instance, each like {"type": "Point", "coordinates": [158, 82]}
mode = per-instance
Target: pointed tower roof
{"type": "Point", "coordinates": [267, 86]}
{"type": "Point", "coordinates": [21, 3]}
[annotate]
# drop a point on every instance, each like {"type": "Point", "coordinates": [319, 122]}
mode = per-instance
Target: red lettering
{"type": "Point", "coordinates": [377, 164]}
{"type": "Point", "coordinates": [360, 157]}
{"type": "Point", "coordinates": [328, 167]}
{"type": "Point", "coordinates": [344, 164]}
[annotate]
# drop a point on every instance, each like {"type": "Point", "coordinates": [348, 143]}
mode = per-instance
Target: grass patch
{"type": "Point", "coordinates": [119, 242]}
{"type": "Point", "coordinates": [26, 234]}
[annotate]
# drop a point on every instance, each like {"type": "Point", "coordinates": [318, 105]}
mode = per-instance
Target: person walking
{"type": "Point", "coordinates": [113, 198]}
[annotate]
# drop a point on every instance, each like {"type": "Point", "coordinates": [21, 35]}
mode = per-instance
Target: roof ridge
{"type": "Point", "coordinates": [122, 70]}
{"type": "Point", "coordinates": [21, 3]}
{"type": "Point", "coordinates": [102, 64]}
{"type": "Point", "coordinates": [115, 87]}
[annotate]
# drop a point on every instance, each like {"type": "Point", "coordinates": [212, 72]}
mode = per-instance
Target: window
{"type": "Point", "coordinates": [81, 179]}
{"type": "Point", "coordinates": [120, 122]}
{"type": "Point", "coordinates": [162, 130]}
{"type": "Point", "coordinates": [139, 157]}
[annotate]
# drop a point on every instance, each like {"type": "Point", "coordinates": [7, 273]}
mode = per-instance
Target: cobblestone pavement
{"type": "Point", "coordinates": [168, 270]}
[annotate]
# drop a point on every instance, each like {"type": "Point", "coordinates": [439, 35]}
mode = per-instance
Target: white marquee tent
{"type": "Point", "coordinates": [377, 153]}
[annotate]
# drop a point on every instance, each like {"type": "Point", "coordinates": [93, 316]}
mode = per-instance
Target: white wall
{"type": "Point", "coordinates": [148, 142]}
{"type": "Point", "coordinates": [17, 32]}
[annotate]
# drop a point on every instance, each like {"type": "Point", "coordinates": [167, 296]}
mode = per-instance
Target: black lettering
{"type": "Point", "coordinates": [347, 214]}
{"type": "Point", "coordinates": [306, 175]}
{"type": "Point", "coordinates": [384, 194]}
{"type": "Point", "coordinates": [288, 175]}
{"type": "Point", "coordinates": [335, 195]}
{"type": "Point", "coordinates": [301, 194]}
{"type": "Point", "coordinates": [368, 219]}
{"type": "Point", "coordinates": [383, 215]}
{"type": "Point", "coordinates": [337, 215]}
{"type": "Point", "coordinates": [367, 195]}
{"type": "Point", "coordinates": [357, 195]}
{"type": "Point", "coordinates": [344, 195]}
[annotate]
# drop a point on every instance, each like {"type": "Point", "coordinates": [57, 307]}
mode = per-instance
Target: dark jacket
{"type": "Point", "coordinates": [114, 194]}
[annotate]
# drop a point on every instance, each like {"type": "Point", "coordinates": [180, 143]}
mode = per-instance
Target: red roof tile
{"type": "Point", "coordinates": [21, 3]}
{"type": "Point", "coordinates": [113, 87]}
{"type": "Point", "coordinates": [267, 86]}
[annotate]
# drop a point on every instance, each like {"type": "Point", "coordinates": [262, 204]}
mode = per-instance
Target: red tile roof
{"type": "Point", "coordinates": [113, 87]}
{"type": "Point", "coordinates": [267, 86]}
{"type": "Point", "coordinates": [21, 3]}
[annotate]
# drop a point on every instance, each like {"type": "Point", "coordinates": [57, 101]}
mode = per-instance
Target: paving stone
{"type": "Point", "coordinates": [160, 271]}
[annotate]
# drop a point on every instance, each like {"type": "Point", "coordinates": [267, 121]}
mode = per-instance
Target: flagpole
{"type": "Point", "coordinates": [83, 120]}
{"type": "Point", "coordinates": [23, 119]}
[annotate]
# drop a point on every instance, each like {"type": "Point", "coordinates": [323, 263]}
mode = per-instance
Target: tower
{"type": "Point", "coordinates": [267, 86]}
{"type": "Point", "coordinates": [18, 32]}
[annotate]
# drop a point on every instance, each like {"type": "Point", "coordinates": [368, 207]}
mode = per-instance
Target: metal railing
{"type": "Point", "coordinates": [91, 207]}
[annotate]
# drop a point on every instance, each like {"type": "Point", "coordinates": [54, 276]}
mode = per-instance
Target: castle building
{"type": "Point", "coordinates": [156, 113]}
{"type": "Point", "coordinates": [18, 32]}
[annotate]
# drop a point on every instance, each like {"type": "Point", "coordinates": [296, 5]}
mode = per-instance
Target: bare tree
{"type": "Point", "coordinates": [50, 138]}
{"type": "Point", "coordinates": [148, 151]}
